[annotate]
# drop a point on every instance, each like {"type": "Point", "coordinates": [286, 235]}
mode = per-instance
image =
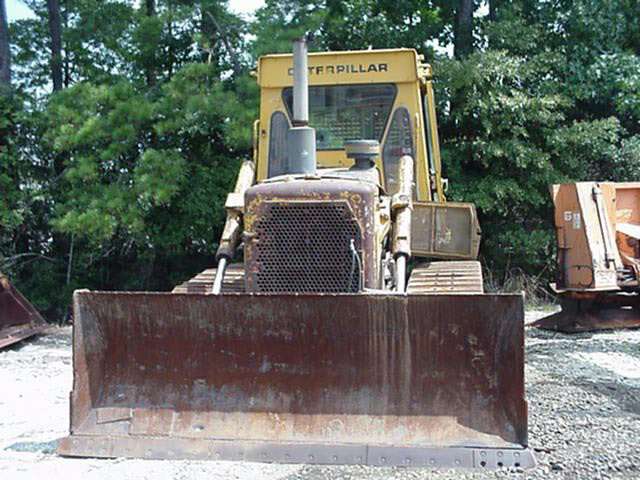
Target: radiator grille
{"type": "Point", "coordinates": [306, 247]}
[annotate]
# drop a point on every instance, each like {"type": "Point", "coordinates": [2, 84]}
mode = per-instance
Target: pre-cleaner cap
{"type": "Point", "coordinates": [363, 152]}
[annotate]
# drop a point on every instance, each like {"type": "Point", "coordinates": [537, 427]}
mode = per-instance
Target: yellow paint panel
{"type": "Point", "coordinates": [404, 69]}
{"type": "Point", "coordinates": [339, 68]}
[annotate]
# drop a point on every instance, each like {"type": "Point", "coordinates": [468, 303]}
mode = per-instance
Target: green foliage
{"type": "Point", "coordinates": [497, 151]}
{"type": "Point", "coordinates": [10, 212]}
{"type": "Point", "coordinates": [543, 104]}
{"type": "Point", "coordinates": [345, 25]}
{"type": "Point", "coordinates": [145, 172]}
{"type": "Point", "coordinates": [125, 179]}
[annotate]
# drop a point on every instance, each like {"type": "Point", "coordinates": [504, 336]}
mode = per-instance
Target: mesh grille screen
{"type": "Point", "coordinates": [306, 247]}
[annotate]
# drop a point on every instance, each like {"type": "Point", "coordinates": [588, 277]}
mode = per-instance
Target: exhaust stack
{"type": "Point", "coordinates": [301, 139]}
{"type": "Point", "coordinates": [300, 83]}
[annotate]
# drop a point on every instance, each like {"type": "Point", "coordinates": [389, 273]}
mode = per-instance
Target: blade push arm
{"type": "Point", "coordinates": [233, 225]}
{"type": "Point", "coordinates": [402, 204]}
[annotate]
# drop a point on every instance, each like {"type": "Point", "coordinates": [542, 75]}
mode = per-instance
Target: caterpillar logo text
{"type": "Point", "coordinates": [335, 69]}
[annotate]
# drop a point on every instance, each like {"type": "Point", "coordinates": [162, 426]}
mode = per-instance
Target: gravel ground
{"type": "Point", "coordinates": [584, 418]}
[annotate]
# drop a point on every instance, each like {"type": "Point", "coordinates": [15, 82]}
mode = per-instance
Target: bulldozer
{"type": "Point", "coordinates": [598, 257]}
{"type": "Point", "coordinates": [355, 330]}
{"type": "Point", "coordinates": [19, 319]}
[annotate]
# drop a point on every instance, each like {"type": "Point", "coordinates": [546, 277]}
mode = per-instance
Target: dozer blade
{"type": "Point", "coordinates": [18, 318]}
{"type": "Point", "coordinates": [418, 380]}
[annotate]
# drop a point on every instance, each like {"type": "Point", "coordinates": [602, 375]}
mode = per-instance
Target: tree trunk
{"type": "Point", "coordinates": [495, 7]}
{"type": "Point", "coordinates": [65, 45]}
{"type": "Point", "coordinates": [151, 7]}
{"type": "Point", "coordinates": [211, 29]}
{"type": "Point", "coordinates": [150, 72]}
{"type": "Point", "coordinates": [5, 52]}
{"type": "Point", "coordinates": [492, 10]}
{"type": "Point", "coordinates": [528, 10]}
{"type": "Point", "coordinates": [55, 32]}
{"type": "Point", "coordinates": [463, 29]}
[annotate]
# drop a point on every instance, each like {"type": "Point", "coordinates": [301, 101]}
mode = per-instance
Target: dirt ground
{"type": "Point", "coordinates": [584, 417]}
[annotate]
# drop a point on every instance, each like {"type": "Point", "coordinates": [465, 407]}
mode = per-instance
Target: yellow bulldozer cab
{"type": "Point", "coordinates": [384, 95]}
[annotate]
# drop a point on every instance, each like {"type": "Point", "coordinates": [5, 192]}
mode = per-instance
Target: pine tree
{"type": "Point", "coordinates": [55, 32]}
{"type": "Point", "coordinates": [5, 51]}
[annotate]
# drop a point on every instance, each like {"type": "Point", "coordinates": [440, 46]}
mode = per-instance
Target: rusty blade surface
{"type": "Point", "coordinates": [18, 318]}
{"type": "Point", "coordinates": [417, 371]}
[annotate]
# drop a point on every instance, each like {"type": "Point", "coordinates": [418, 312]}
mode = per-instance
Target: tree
{"type": "Point", "coordinates": [212, 30]}
{"type": "Point", "coordinates": [150, 70]}
{"type": "Point", "coordinates": [5, 51]}
{"type": "Point", "coordinates": [151, 7]}
{"type": "Point", "coordinates": [55, 32]}
{"type": "Point", "coordinates": [463, 29]}
{"type": "Point", "coordinates": [493, 10]}
{"type": "Point", "coordinates": [143, 204]}
{"type": "Point", "coordinates": [346, 25]}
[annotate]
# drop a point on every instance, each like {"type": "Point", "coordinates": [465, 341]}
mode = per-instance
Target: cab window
{"type": "Point", "coordinates": [346, 112]}
{"type": "Point", "coordinates": [278, 163]}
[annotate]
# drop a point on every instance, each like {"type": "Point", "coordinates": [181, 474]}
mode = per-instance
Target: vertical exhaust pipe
{"type": "Point", "coordinates": [301, 139]}
{"type": "Point", "coordinates": [300, 83]}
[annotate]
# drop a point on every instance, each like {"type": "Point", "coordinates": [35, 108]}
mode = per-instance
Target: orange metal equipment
{"type": "Point", "coordinates": [18, 318]}
{"type": "Point", "coordinates": [598, 239]}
